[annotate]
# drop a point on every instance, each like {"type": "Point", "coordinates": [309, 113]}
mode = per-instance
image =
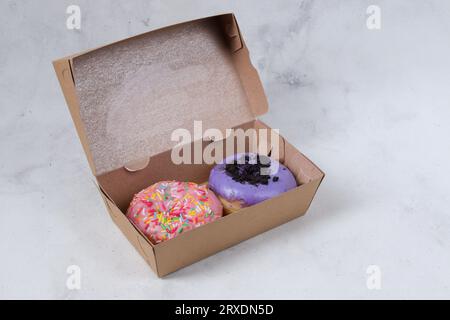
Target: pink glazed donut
{"type": "Point", "coordinates": [168, 208]}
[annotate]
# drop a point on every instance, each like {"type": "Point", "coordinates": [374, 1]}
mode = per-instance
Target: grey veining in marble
{"type": "Point", "coordinates": [370, 107]}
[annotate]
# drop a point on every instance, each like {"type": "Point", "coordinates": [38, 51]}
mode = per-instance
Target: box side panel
{"type": "Point", "coordinates": [232, 229]}
{"type": "Point", "coordinates": [134, 237]}
{"type": "Point", "coordinates": [251, 82]}
{"type": "Point", "coordinates": [64, 73]}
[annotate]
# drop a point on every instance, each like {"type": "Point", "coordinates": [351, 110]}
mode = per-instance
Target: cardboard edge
{"type": "Point", "coordinates": [232, 31]}
{"type": "Point", "coordinates": [63, 70]}
{"type": "Point", "coordinates": [249, 77]}
{"type": "Point", "coordinates": [160, 28]}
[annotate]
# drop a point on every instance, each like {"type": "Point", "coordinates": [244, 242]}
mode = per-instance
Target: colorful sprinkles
{"type": "Point", "coordinates": [168, 208]}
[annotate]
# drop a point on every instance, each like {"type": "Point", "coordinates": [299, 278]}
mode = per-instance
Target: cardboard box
{"type": "Point", "coordinates": [127, 97]}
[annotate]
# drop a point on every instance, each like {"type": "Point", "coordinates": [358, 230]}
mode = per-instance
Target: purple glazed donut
{"type": "Point", "coordinates": [245, 179]}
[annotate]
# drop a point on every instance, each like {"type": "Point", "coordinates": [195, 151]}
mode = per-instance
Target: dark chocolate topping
{"type": "Point", "coordinates": [248, 170]}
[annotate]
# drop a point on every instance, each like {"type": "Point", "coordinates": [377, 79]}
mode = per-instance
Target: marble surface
{"type": "Point", "coordinates": [370, 107]}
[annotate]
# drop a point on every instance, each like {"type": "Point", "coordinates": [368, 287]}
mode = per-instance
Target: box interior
{"type": "Point", "coordinates": [120, 185]}
{"type": "Point", "coordinates": [133, 94]}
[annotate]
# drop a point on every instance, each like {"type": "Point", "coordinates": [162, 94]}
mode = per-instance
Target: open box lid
{"type": "Point", "coordinates": [128, 97]}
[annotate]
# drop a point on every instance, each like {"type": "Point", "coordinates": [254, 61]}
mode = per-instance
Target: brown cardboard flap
{"type": "Point", "coordinates": [131, 95]}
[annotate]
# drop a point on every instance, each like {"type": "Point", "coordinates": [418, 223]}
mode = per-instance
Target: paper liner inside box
{"type": "Point", "coordinates": [133, 94]}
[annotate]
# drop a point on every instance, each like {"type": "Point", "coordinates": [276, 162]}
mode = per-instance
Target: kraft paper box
{"type": "Point", "coordinates": [127, 98]}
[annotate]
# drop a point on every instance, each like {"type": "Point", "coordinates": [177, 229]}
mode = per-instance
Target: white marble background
{"type": "Point", "coordinates": [370, 107]}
